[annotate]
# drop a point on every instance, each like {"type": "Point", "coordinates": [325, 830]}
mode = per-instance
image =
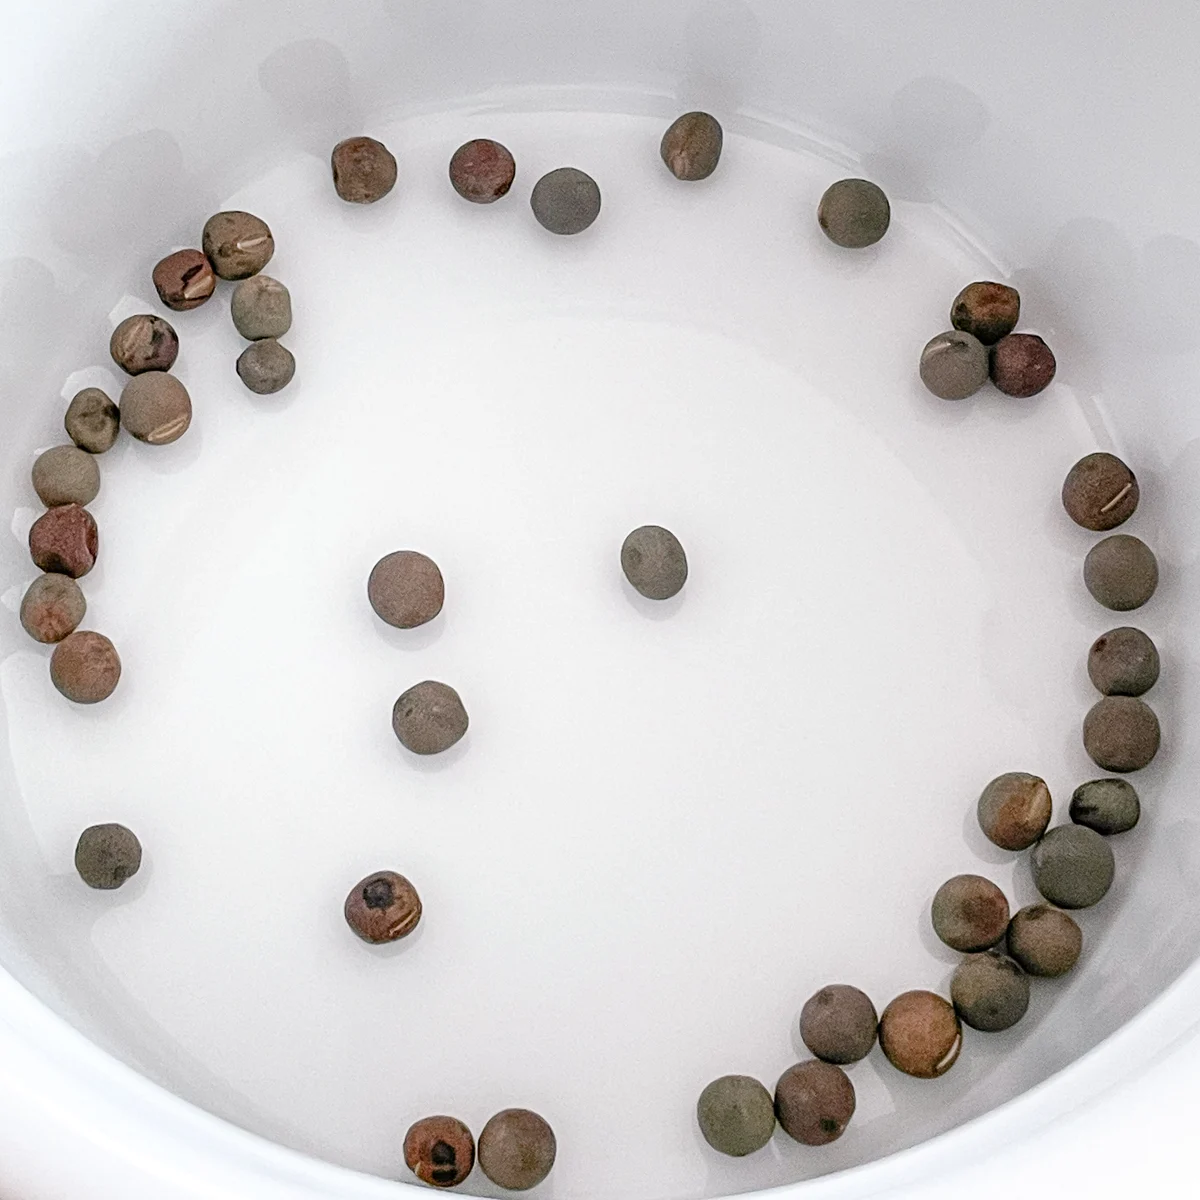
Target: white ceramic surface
{"type": "Point", "coordinates": [668, 824]}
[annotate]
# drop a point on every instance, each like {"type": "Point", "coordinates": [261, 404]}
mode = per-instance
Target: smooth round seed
{"type": "Point", "coordinates": [406, 589]}
{"type": "Point", "coordinates": [1123, 662]}
{"type": "Point", "coordinates": [92, 421]}
{"type": "Point", "coordinates": [1073, 866]}
{"type": "Point", "coordinates": [238, 244]}
{"type": "Point", "coordinates": [156, 408]}
{"type": "Point", "coordinates": [854, 213]}
{"type": "Point", "coordinates": [691, 147]}
{"type": "Point", "coordinates": [85, 667]}
{"type": "Point", "coordinates": [517, 1149]}
{"type": "Point", "coordinates": [565, 201]}
{"type": "Point", "coordinates": [383, 907]}
{"type": "Point", "coordinates": [1045, 941]}
{"type": "Point", "coordinates": [969, 913]}
{"type": "Point", "coordinates": [988, 311]}
{"type": "Point", "coordinates": [482, 171]}
{"type": "Point", "coordinates": [364, 170]}
{"type": "Point", "coordinates": [1014, 810]}
{"type": "Point", "coordinates": [990, 992]}
{"type": "Point", "coordinates": [439, 1151]}
{"type": "Point", "coordinates": [839, 1024]}
{"type": "Point", "coordinates": [1100, 492]}
{"type": "Point", "coordinates": [144, 342]}
{"type": "Point", "coordinates": [65, 541]}
{"type": "Point", "coordinates": [261, 307]}
{"type": "Point", "coordinates": [184, 280]}
{"type": "Point", "coordinates": [429, 718]}
{"type": "Point", "coordinates": [66, 475]}
{"type": "Point", "coordinates": [1121, 572]}
{"type": "Point", "coordinates": [1106, 805]}
{"type": "Point", "coordinates": [920, 1034]}
{"type": "Point", "coordinates": [654, 562]}
{"type": "Point", "coordinates": [736, 1115]}
{"type": "Point", "coordinates": [814, 1102]}
{"type": "Point", "coordinates": [954, 365]}
{"type": "Point", "coordinates": [53, 606]}
{"type": "Point", "coordinates": [266, 366]}
{"type": "Point", "coordinates": [1022, 365]}
{"type": "Point", "coordinates": [107, 855]}
{"type": "Point", "coordinates": [1121, 733]}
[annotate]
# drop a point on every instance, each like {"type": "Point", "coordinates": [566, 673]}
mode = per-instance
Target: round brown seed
{"type": "Point", "coordinates": [107, 855]}
{"type": "Point", "coordinates": [85, 667]}
{"type": "Point", "coordinates": [156, 408]}
{"type": "Point", "coordinates": [482, 171]}
{"type": "Point", "coordinates": [406, 589]}
{"type": "Point", "coordinates": [1106, 805]}
{"type": "Point", "coordinates": [429, 718]}
{"type": "Point", "coordinates": [954, 365]}
{"type": "Point", "coordinates": [920, 1034]}
{"type": "Point", "coordinates": [1044, 940]}
{"type": "Point", "coordinates": [144, 342]}
{"type": "Point", "coordinates": [854, 213]}
{"type": "Point", "coordinates": [1123, 662]}
{"type": "Point", "coordinates": [990, 992]}
{"type": "Point", "coordinates": [92, 421]}
{"type": "Point", "coordinates": [261, 307]}
{"type": "Point", "coordinates": [1121, 572]}
{"type": "Point", "coordinates": [736, 1115]}
{"type": "Point", "coordinates": [988, 311]}
{"type": "Point", "coordinates": [52, 607]}
{"type": "Point", "coordinates": [814, 1102]}
{"type": "Point", "coordinates": [1121, 734]}
{"type": "Point", "coordinates": [1022, 365]}
{"type": "Point", "coordinates": [1014, 810]}
{"type": "Point", "coordinates": [383, 907]}
{"type": "Point", "coordinates": [439, 1151]}
{"type": "Point", "coordinates": [266, 366]}
{"type": "Point", "coordinates": [839, 1023]}
{"type": "Point", "coordinates": [364, 170]}
{"type": "Point", "coordinates": [654, 562]}
{"type": "Point", "coordinates": [517, 1149]}
{"type": "Point", "coordinates": [238, 244]}
{"type": "Point", "coordinates": [970, 913]}
{"type": "Point", "coordinates": [65, 541]}
{"type": "Point", "coordinates": [1073, 866]}
{"type": "Point", "coordinates": [692, 145]}
{"type": "Point", "coordinates": [1100, 492]}
{"type": "Point", "coordinates": [184, 280]}
{"type": "Point", "coordinates": [66, 475]}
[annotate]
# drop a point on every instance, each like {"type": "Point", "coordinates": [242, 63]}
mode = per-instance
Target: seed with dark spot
{"type": "Point", "coordinates": [1106, 805]}
{"type": "Point", "coordinates": [65, 541]}
{"type": "Point", "coordinates": [954, 365]}
{"type": "Point", "coordinates": [814, 1102]}
{"type": "Point", "coordinates": [384, 907]}
{"type": "Point", "coordinates": [184, 280]}
{"type": "Point", "coordinates": [144, 342]}
{"type": "Point", "coordinates": [1022, 365]}
{"type": "Point", "coordinates": [920, 1034]}
{"type": "Point", "coordinates": [266, 366]}
{"type": "Point", "coordinates": [92, 421]}
{"type": "Point", "coordinates": [990, 992]}
{"type": "Point", "coordinates": [1100, 492]}
{"type": "Point", "coordinates": [439, 1150]}
{"type": "Point", "coordinates": [156, 408]}
{"type": "Point", "coordinates": [52, 607]}
{"type": "Point", "coordinates": [1121, 572]}
{"type": "Point", "coordinates": [736, 1115]}
{"type": "Point", "coordinates": [1073, 866]}
{"type": "Point", "coordinates": [364, 170]}
{"type": "Point", "coordinates": [654, 562]}
{"type": "Point", "coordinates": [517, 1149]}
{"type": "Point", "coordinates": [261, 307]}
{"type": "Point", "coordinates": [85, 667]}
{"type": "Point", "coordinates": [989, 311]}
{"type": "Point", "coordinates": [839, 1023]}
{"type": "Point", "coordinates": [565, 201]}
{"type": "Point", "coordinates": [1044, 940]}
{"type": "Point", "coordinates": [406, 589]}
{"type": "Point", "coordinates": [482, 171]}
{"type": "Point", "coordinates": [970, 913]}
{"type": "Point", "coordinates": [429, 718]}
{"type": "Point", "coordinates": [66, 475]}
{"type": "Point", "coordinates": [1014, 810]}
{"type": "Point", "coordinates": [691, 147]}
{"type": "Point", "coordinates": [107, 855]}
{"type": "Point", "coordinates": [854, 213]}
{"type": "Point", "coordinates": [1123, 662]}
{"type": "Point", "coordinates": [238, 244]}
{"type": "Point", "coordinates": [1121, 733]}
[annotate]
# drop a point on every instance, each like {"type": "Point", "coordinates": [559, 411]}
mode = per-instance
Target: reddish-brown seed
{"type": "Point", "coordinates": [440, 1151]}
{"type": "Point", "coordinates": [1022, 365]}
{"type": "Point", "coordinates": [1100, 492]}
{"type": "Point", "coordinates": [52, 607]}
{"type": "Point", "coordinates": [184, 280]}
{"type": "Point", "coordinates": [1044, 941]}
{"type": "Point", "coordinates": [65, 541]}
{"type": "Point", "coordinates": [144, 342]}
{"type": "Point", "coordinates": [970, 913]}
{"type": "Point", "coordinates": [383, 907]}
{"type": "Point", "coordinates": [482, 171]}
{"type": "Point", "coordinates": [1014, 810]}
{"type": "Point", "coordinates": [838, 1024]}
{"type": "Point", "coordinates": [988, 311]}
{"type": "Point", "coordinates": [85, 667]}
{"type": "Point", "coordinates": [406, 589]}
{"type": "Point", "coordinates": [814, 1102]}
{"type": "Point", "coordinates": [921, 1035]}
{"type": "Point", "coordinates": [364, 170]}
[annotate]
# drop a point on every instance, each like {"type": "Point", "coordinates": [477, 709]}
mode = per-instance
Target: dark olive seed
{"type": "Point", "coordinates": [482, 171]}
{"type": "Point", "coordinates": [1106, 805]}
{"type": "Point", "coordinates": [384, 907]}
{"type": "Point", "coordinates": [1014, 810]}
{"type": "Point", "coordinates": [66, 475]}
{"type": "Point", "coordinates": [1073, 866]}
{"type": "Point", "coordinates": [1022, 365]}
{"type": "Point", "coordinates": [990, 992]}
{"type": "Point", "coordinates": [85, 667]}
{"type": "Point", "coordinates": [261, 307]}
{"type": "Point", "coordinates": [1121, 734]}
{"type": "Point", "coordinates": [429, 718]}
{"type": "Point", "coordinates": [517, 1149]}
{"type": "Point", "coordinates": [691, 147]}
{"type": "Point", "coordinates": [1044, 940]}
{"type": "Point", "coordinates": [1123, 662]}
{"type": "Point", "coordinates": [654, 562]}
{"type": "Point", "coordinates": [814, 1102]}
{"type": "Point", "coordinates": [920, 1034]}
{"type": "Point", "coordinates": [954, 365]}
{"type": "Point", "coordinates": [144, 343]}
{"type": "Point", "coordinates": [1121, 572]}
{"type": "Point", "coordinates": [565, 201]}
{"type": "Point", "coordinates": [184, 280]}
{"type": "Point", "coordinates": [266, 366]}
{"type": "Point", "coordinates": [1100, 492]}
{"type": "Point", "coordinates": [854, 213]}
{"type": "Point", "coordinates": [969, 913]}
{"type": "Point", "coordinates": [364, 170]}
{"type": "Point", "coordinates": [839, 1024]}
{"type": "Point", "coordinates": [65, 541]}
{"type": "Point", "coordinates": [439, 1150]}
{"type": "Point", "coordinates": [988, 311]}
{"type": "Point", "coordinates": [736, 1115]}
{"type": "Point", "coordinates": [107, 855]}
{"type": "Point", "coordinates": [238, 244]}
{"type": "Point", "coordinates": [52, 607]}
{"type": "Point", "coordinates": [92, 421]}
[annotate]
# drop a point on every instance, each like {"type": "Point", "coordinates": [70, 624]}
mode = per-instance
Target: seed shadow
{"type": "Point", "coordinates": [432, 764]}
{"type": "Point", "coordinates": [420, 638]}
{"type": "Point", "coordinates": [312, 87]}
{"type": "Point", "coordinates": [655, 610]}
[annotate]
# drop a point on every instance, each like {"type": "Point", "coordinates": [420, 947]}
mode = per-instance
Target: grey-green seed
{"type": "Point", "coordinates": [736, 1115]}
{"type": "Point", "coordinates": [1123, 662]}
{"type": "Point", "coordinates": [954, 365]}
{"type": "Point", "coordinates": [691, 147]}
{"type": "Point", "coordinates": [261, 307]}
{"type": "Point", "coordinates": [429, 718]}
{"type": "Point", "coordinates": [1121, 572]}
{"type": "Point", "coordinates": [53, 607]}
{"type": "Point", "coordinates": [66, 475]}
{"type": "Point", "coordinates": [107, 855]}
{"type": "Point", "coordinates": [854, 213]}
{"type": "Point", "coordinates": [839, 1024]}
{"type": "Point", "coordinates": [1121, 734]}
{"type": "Point", "coordinates": [990, 992]}
{"type": "Point", "coordinates": [1073, 866]}
{"type": "Point", "coordinates": [969, 913]}
{"type": "Point", "coordinates": [92, 421]}
{"type": "Point", "coordinates": [1106, 805]}
{"type": "Point", "coordinates": [654, 562]}
{"type": "Point", "coordinates": [1044, 941]}
{"type": "Point", "coordinates": [266, 366]}
{"type": "Point", "coordinates": [565, 201]}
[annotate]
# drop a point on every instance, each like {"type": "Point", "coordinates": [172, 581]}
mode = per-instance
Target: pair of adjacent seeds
{"type": "Point", "coordinates": [516, 1150]}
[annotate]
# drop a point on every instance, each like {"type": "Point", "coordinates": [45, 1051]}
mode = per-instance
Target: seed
{"type": "Point", "coordinates": [1123, 662]}
{"type": "Point", "coordinates": [854, 213]}
{"type": "Point", "coordinates": [839, 1023]}
{"type": "Point", "coordinates": [66, 475]}
{"type": "Point", "coordinates": [440, 1151]}
{"type": "Point", "coordinates": [691, 147]}
{"type": "Point", "coordinates": [654, 562]}
{"type": "Point", "coordinates": [954, 365]}
{"type": "Point", "coordinates": [814, 1102]}
{"type": "Point", "coordinates": [565, 201]}
{"type": "Point", "coordinates": [92, 421]}
{"type": "Point", "coordinates": [1121, 734]}
{"type": "Point", "coordinates": [1073, 866]}
{"type": "Point", "coordinates": [364, 170]}
{"type": "Point", "coordinates": [384, 907]}
{"type": "Point", "coordinates": [65, 541]}
{"type": "Point", "coordinates": [990, 992]}
{"type": "Point", "coordinates": [989, 311]}
{"type": "Point", "coordinates": [238, 244]}
{"type": "Point", "coordinates": [1022, 365]}
{"type": "Point", "coordinates": [144, 342]}
{"type": "Point", "coordinates": [406, 589]}
{"type": "Point", "coordinates": [970, 913]}
{"type": "Point", "coordinates": [107, 855]}
{"type": "Point", "coordinates": [1045, 941]}
{"type": "Point", "coordinates": [184, 280]}
{"type": "Point", "coordinates": [1014, 810]}
{"type": "Point", "coordinates": [1100, 492]}
{"type": "Point", "coordinates": [52, 607]}
{"type": "Point", "coordinates": [736, 1115]}
{"type": "Point", "coordinates": [920, 1034]}
{"type": "Point", "coordinates": [517, 1149]}
{"type": "Point", "coordinates": [1106, 805]}
{"type": "Point", "coordinates": [261, 307]}
{"type": "Point", "coordinates": [85, 667]}
{"type": "Point", "coordinates": [156, 408]}
{"type": "Point", "coordinates": [482, 171]}
{"type": "Point", "coordinates": [1121, 572]}
{"type": "Point", "coordinates": [266, 366]}
{"type": "Point", "coordinates": [429, 718]}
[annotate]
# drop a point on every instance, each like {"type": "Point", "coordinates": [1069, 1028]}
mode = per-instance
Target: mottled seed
{"type": "Point", "coordinates": [565, 201]}
{"type": "Point", "coordinates": [691, 147]}
{"type": "Point", "coordinates": [814, 1102]}
{"type": "Point", "coordinates": [439, 1151]}
{"type": "Point", "coordinates": [839, 1024]}
{"type": "Point", "coordinates": [406, 589]}
{"type": "Point", "coordinates": [156, 408]}
{"type": "Point", "coordinates": [482, 171]}
{"type": "Point", "coordinates": [654, 562]}
{"type": "Point", "coordinates": [954, 365]}
{"type": "Point", "coordinates": [1100, 492]}
{"type": "Point", "coordinates": [66, 475]}
{"type": "Point", "coordinates": [1121, 572]}
{"type": "Point", "coordinates": [107, 855]}
{"type": "Point", "coordinates": [1014, 810]}
{"type": "Point", "coordinates": [238, 244]}
{"type": "Point", "coordinates": [920, 1034]}
{"type": "Point", "coordinates": [85, 667]}
{"type": "Point", "coordinates": [517, 1149]}
{"type": "Point", "coordinates": [184, 280]}
{"type": "Point", "coordinates": [1123, 662]}
{"type": "Point", "coordinates": [1045, 941]}
{"type": "Point", "coordinates": [1106, 805]}
{"type": "Point", "coordinates": [383, 907]}
{"type": "Point", "coordinates": [990, 992]}
{"type": "Point", "coordinates": [144, 342]}
{"type": "Point", "coordinates": [266, 366]}
{"type": "Point", "coordinates": [261, 307]}
{"type": "Point", "coordinates": [65, 541]}
{"type": "Point", "coordinates": [1121, 733]}
{"type": "Point", "coordinates": [854, 213]}
{"type": "Point", "coordinates": [736, 1115]}
{"type": "Point", "coordinates": [1073, 866]}
{"type": "Point", "coordinates": [52, 607]}
{"type": "Point", "coordinates": [364, 170]}
{"type": "Point", "coordinates": [429, 718]}
{"type": "Point", "coordinates": [1022, 365]}
{"type": "Point", "coordinates": [92, 421]}
{"type": "Point", "coordinates": [989, 311]}
{"type": "Point", "coordinates": [969, 913]}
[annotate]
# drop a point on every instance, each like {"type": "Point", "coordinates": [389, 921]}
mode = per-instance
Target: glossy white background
{"type": "Point", "coordinates": [669, 824]}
